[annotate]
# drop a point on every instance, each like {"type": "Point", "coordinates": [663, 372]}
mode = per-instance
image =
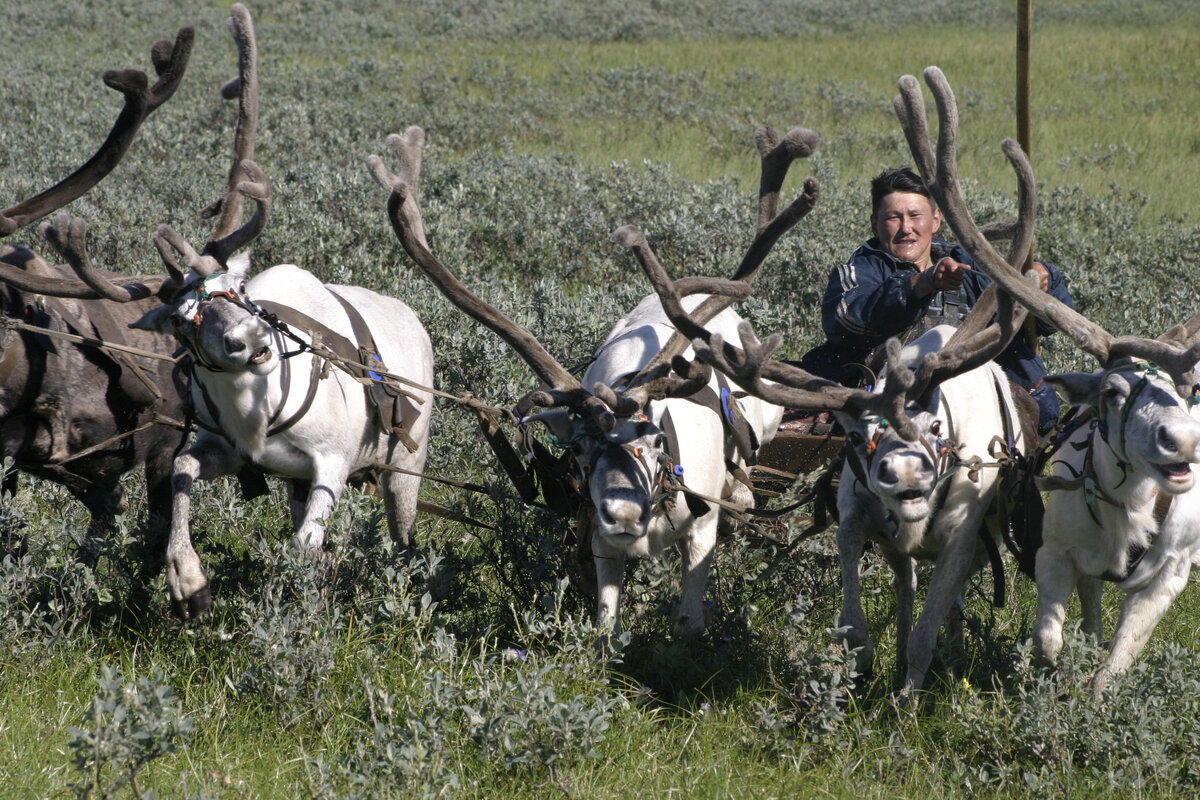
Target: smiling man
{"type": "Point", "coordinates": [903, 279]}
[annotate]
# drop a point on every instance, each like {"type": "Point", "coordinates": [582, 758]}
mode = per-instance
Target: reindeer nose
{"type": "Point", "coordinates": [901, 468]}
{"type": "Point", "coordinates": [624, 515]}
{"type": "Point", "coordinates": [1184, 443]}
{"type": "Point", "coordinates": [234, 345]}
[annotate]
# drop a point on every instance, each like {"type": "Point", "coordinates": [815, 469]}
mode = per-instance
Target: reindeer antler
{"type": "Point", "coordinates": [141, 99]}
{"type": "Point", "coordinates": [246, 179]}
{"type": "Point", "coordinates": [777, 155]}
{"type": "Point", "coordinates": [978, 340]}
{"type": "Point", "coordinates": [404, 211]}
{"type": "Point", "coordinates": [1175, 351]}
{"type": "Point", "coordinates": [169, 63]}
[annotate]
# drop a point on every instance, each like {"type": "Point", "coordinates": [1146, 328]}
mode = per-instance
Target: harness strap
{"type": "Point", "coordinates": [132, 379]}
{"type": "Point", "coordinates": [698, 504]}
{"type": "Point", "coordinates": [1086, 479]}
{"type": "Point", "coordinates": [313, 376]}
{"type": "Point", "coordinates": [397, 413]}
{"type": "Point", "coordinates": [352, 355]}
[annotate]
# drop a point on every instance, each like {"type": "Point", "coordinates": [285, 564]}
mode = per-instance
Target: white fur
{"type": "Point", "coordinates": [941, 524]}
{"type": "Point", "coordinates": [338, 436]}
{"type": "Point", "coordinates": [620, 527]}
{"type": "Point", "coordinates": [1076, 551]}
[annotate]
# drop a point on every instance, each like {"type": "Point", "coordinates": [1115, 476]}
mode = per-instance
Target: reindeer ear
{"type": "Point", "coordinates": [239, 266]}
{"type": "Point", "coordinates": [558, 422]}
{"type": "Point", "coordinates": [1077, 388]}
{"type": "Point", "coordinates": [846, 419]}
{"type": "Point", "coordinates": [157, 320]}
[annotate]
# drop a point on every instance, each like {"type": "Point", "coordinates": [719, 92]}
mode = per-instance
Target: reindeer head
{"type": "Point", "coordinates": [902, 465]}
{"type": "Point", "coordinates": [1141, 417]}
{"type": "Point", "coordinates": [626, 469]}
{"type": "Point", "coordinates": [214, 318]}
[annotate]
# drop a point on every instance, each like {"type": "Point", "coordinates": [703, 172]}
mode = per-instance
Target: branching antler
{"type": "Point", "coordinates": [777, 155]}
{"type": "Point", "coordinates": [227, 236]}
{"type": "Point", "coordinates": [602, 403]}
{"type": "Point", "coordinates": [404, 211]}
{"type": "Point", "coordinates": [978, 341]}
{"type": "Point", "coordinates": [1176, 351]}
{"type": "Point", "coordinates": [67, 235]}
{"type": "Point", "coordinates": [141, 99]}
{"type": "Point", "coordinates": [246, 179]}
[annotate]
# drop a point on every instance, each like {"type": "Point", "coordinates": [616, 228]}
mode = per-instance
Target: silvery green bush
{"type": "Point", "coordinates": [129, 723]}
{"type": "Point", "coordinates": [1043, 731]}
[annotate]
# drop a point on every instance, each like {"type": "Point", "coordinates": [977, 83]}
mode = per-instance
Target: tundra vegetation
{"type": "Point", "coordinates": [471, 673]}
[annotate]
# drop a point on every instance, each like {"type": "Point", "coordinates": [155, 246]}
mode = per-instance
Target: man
{"type": "Point", "coordinates": [902, 278]}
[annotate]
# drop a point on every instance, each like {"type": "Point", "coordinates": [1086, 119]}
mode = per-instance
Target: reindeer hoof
{"type": "Point", "coordinates": [196, 605]}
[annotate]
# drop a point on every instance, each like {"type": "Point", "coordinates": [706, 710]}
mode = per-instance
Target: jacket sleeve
{"type": "Point", "coordinates": [864, 299]}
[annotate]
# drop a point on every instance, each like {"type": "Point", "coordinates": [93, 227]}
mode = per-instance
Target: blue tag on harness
{"type": "Point", "coordinates": [375, 376]}
{"type": "Point", "coordinates": [725, 408]}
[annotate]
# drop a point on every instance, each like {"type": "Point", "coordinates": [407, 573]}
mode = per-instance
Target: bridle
{"type": "Point", "coordinates": [1088, 480]}
{"type": "Point", "coordinates": [943, 453]}
{"type": "Point", "coordinates": [204, 299]}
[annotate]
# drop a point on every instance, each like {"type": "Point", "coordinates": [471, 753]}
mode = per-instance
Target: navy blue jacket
{"type": "Point", "coordinates": [871, 298]}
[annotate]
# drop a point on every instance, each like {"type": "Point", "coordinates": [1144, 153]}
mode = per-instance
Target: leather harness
{"type": "Point", "coordinates": [396, 408]}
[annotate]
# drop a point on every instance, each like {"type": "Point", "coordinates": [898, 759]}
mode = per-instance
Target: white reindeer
{"type": "Point", "coordinates": [268, 400]}
{"type": "Point", "coordinates": [628, 425]}
{"type": "Point", "coordinates": [1122, 505]}
{"type": "Point", "coordinates": [1139, 527]}
{"type": "Point", "coordinates": [907, 484]}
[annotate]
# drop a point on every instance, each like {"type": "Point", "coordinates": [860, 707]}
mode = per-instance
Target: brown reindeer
{"type": "Point", "coordinates": [75, 413]}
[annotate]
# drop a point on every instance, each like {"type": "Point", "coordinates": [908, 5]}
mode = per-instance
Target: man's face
{"type": "Point", "coordinates": [905, 223]}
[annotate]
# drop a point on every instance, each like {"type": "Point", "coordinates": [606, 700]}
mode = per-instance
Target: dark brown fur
{"type": "Point", "coordinates": [58, 398]}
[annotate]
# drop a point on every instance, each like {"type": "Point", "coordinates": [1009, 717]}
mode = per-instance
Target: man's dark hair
{"type": "Point", "coordinates": [901, 179]}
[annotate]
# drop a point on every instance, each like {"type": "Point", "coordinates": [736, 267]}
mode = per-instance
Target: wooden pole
{"type": "Point", "coordinates": [1024, 136]}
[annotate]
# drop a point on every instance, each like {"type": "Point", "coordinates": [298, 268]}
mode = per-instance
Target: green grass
{"type": "Point", "coordinates": [1110, 104]}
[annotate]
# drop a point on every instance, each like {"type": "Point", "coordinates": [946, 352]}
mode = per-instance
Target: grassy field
{"type": "Point", "coordinates": [550, 125]}
{"type": "Point", "coordinates": [1110, 104]}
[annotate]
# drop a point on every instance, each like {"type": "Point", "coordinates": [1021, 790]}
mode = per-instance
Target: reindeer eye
{"type": "Point", "coordinates": [242, 288]}
{"type": "Point", "coordinates": [936, 427]}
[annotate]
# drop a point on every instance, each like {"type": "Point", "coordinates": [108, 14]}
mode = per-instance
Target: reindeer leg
{"type": "Point", "coordinates": [1090, 590]}
{"type": "Point", "coordinates": [1140, 613]}
{"type": "Point", "coordinates": [696, 548]}
{"type": "Point", "coordinates": [610, 578]}
{"type": "Point", "coordinates": [208, 458]}
{"type": "Point", "coordinates": [852, 622]}
{"type": "Point", "coordinates": [950, 571]}
{"type": "Point", "coordinates": [297, 494]}
{"type": "Point", "coordinates": [104, 503]}
{"type": "Point", "coordinates": [329, 480]}
{"type": "Point", "coordinates": [904, 584]}
{"type": "Point", "coordinates": [1056, 578]}
{"type": "Point", "coordinates": [400, 498]}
